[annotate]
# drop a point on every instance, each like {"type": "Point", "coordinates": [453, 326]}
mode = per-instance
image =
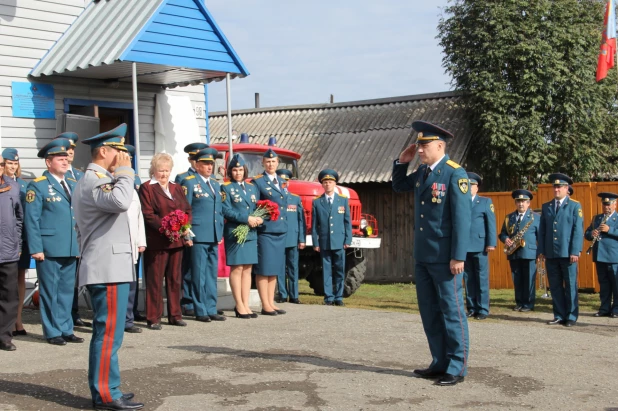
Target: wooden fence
{"type": "Point", "coordinates": [585, 193]}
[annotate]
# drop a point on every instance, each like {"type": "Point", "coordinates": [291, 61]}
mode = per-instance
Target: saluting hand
{"type": "Point", "coordinates": [123, 159]}
{"type": "Point", "coordinates": [407, 155]}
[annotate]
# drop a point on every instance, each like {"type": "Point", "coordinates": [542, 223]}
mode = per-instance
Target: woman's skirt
{"type": "Point", "coordinates": [237, 254]}
{"type": "Point", "coordinates": [271, 254]}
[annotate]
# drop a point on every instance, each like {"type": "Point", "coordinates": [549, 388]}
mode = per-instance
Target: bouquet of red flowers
{"type": "Point", "coordinates": [266, 209]}
{"type": "Point", "coordinates": [175, 223]}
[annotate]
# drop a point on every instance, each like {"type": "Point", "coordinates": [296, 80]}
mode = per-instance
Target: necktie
{"type": "Point", "coordinates": [66, 189]}
{"type": "Point", "coordinates": [242, 185]}
{"type": "Point", "coordinates": [427, 172]}
{"type": "Point", "coordinates": [276, 182]}
{"type": "Point", "coordinates": [210, 186]}
{"type": "Point", "coordinates": [518, 222]}
{"type": "Point", "coordinates": [330, 202]}
{"type": "Point", "coordinates": [557, 206]}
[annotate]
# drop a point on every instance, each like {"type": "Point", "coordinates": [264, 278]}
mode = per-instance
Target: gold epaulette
{"type": "Point", "coordinates": [316, 197]}
{"type": "Point", "coordinates": [100, 175]}
{"type": "Point", "coordinates": [296, 195]}
{"type": "Point", "coordinates": [246, 182]}
{"type": "Point", "coordinates": [70, 179]}
{"type": "Point", "coordinates": [341, 195]}
{"type": "Point", "coordinates": [258, 176]}
{"type": "Point", "coordinates": [190, 177]}
{"type": "Point", "coordinates": [453, 164]}
{"type": "Point", "coordinates": [42, 178]}
{"type": "Point", "coordinates": [573, 200]}
{"type": "Point", "coordinates": [227, 183]}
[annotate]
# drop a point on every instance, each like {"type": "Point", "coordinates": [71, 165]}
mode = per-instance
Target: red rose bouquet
{"type": "Point", "coordinates": [266, 209]}
{"type": "Point", "coordinates": [176, 224]}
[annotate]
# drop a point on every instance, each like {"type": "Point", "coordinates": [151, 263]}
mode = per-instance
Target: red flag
{"type": "Point", "coordinates": [607, 55]}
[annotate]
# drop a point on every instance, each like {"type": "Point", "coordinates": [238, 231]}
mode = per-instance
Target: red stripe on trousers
{"type": "Point", "coordinates": [106, 351]}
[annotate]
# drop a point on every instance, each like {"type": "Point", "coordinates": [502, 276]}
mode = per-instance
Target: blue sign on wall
{"type": "Point", "coordinates": [33, 100]}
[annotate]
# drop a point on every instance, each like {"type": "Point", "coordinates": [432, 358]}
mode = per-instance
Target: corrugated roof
{"type": "Point", "coordinates": [359, 139]}
{"type": "Point", "coordinates": [173, 42]}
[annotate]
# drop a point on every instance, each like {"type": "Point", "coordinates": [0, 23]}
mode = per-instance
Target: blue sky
{"type": "Point", "coordinates": [301, 52]}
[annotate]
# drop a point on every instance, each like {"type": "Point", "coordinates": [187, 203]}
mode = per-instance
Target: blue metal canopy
{"type": "Point", "coordinates": [173, 42]}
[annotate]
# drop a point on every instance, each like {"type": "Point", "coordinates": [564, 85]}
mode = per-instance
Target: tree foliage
{"type": "Point", "coordinates": [527, 73]}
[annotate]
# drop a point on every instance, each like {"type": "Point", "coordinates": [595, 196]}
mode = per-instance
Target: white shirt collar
{"type": "Point", "coordinates": [59, 179]}
{"type": "Point", "coordinates": [155, 181]}
{"type": "Point", "coordinates": [331, 197]}
{"type": "Point", "coordinates": [434, 165]}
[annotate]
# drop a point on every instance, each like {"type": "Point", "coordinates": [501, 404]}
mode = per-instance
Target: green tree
{"type": "Point", "coordinates": [527, 73]}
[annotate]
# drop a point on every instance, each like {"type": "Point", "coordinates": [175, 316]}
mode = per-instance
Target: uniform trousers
{"type": "Point", "coordinates": [109, 306]}
{"type": "Point", "coordinates": [204, 268]}
{"type": "Point", "coordinates": [75, 305]}
{"type": "Point", "coordinates": [287, 284]}
{"type": "Point", "coordinates": [333, 272]}
{"type": "Point", "coordinates": [562, 275]}
{"type": "Point", "coordinates": [9, 300]}
{"type": "Point", "coordinates": [523, 272]}
{"type": "Point", "coordinates": [476, 278]}
{"type": "Point", "coordinates": [186, 301]}
{"type": "Point", "coordinates": [441, 304]}
{"type": "Point", "coordinates": [56, 286]}
{"type": "Point", "coordinates": [608, 283]}
{"type": "Point", "coordinates": [159, 265]}
{"type": "Point", "coordinates": [132, 300]}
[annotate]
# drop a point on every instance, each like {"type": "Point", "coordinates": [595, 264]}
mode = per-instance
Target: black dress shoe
{"type": "Point", "coordinates": [295, 301]}
{"type": "Point", "coordinates": [7, 346]}
{"type": "Point", "coordinates": [189, 313]}
{"type": "Point", "coordinates": [280, 300]}
{"type": "Point", "coordinates": [555, 321]}
{"type": "Point", "coordinates": [203, 318]}
{"type": "Point", "coordinates": [339, 303]}
{"type": "Point", "coordinates": [600, 314]}
{"type": "Point", "coordinates": [220, 312]}
{"type": "Point", "coordinates": [72, 338]}
{"type": "Point", "coordinates": [126, 396]}
{"type": "Point", "coordinates": [19, 332]}
{"type": "Point", "coordinates": [81, 323]}
{"type": "Point", "coordinates": [525, 309]}
{"type": "Point", "coordinates": [328, 303]}
{"type": "Point", "coordinates": [217, 317]}
{"type": "Point", "coordinates": [280, 312]}
{"type": "Point", "coordinates": [613, 315]}
{"type": "Point", "coordinates": [480, 316]}
{"type": "Point", "coordinates": [154, 326]}
{"type": "Point", "coordinates": [470, 314]}
{"type": "Point", "coordinates": [139, 317]}
{"type": "Point", "coordinates": [264, 312]}
{"type": "Point", "coordinates": [133, 330]}
{"type": "Point", "coordinates": [119, 404]}
{"type": "Point", "coordinates": [56, 341]}
{"type": "Point", "coordinates": [449, 379]}
{"type": "Point", "coordinates": [569, 323]}
{"type": "Point", "coordinates": [428, 373]}
{"type": "Point", "coordinates": [517, 308]}
{"type": "Point", "coordinates": [179, 323]}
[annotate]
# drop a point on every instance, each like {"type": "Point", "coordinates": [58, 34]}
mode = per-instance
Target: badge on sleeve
{"type": "Point", "coordinates": [185, 190]}
{"type": "Point", "coordinates": [463, 185]}
{"type": "Point", "coordinates": [491, 207]}
{"type": "Point", "coordinates": [30, 195]}
{"type": "Point", "coordinates": [580, 213]}
{"type": "Point", "coordinates": [107, 188]}
{"type": "Point", "coordinates": [223, 195]}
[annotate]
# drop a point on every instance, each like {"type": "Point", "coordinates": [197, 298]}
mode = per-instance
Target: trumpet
{"type": "Point", "coordinates": [597, 237]}
{"type": "Point", "coordinates": [542, 272]}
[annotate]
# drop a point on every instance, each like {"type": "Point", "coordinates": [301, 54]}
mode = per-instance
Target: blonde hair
{"type": "Point", "coordinates": [158, 159]}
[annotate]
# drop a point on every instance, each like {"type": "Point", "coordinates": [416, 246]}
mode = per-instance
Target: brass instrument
{"type": "Point", "coordinates": [598, 237]}
{"type": "Point", "coordinates": [518, 240]}
{"type": "Point", "coordinates": [542, 272]}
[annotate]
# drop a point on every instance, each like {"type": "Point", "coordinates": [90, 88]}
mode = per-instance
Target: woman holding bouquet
{"type": "Point", "coordinates": [239, 202]}
{"type": "Point", "coordinates": [271, 234]}
{"type": "Point", "coordinates": [161, 197]}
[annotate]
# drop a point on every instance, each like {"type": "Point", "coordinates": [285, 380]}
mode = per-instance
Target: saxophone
{"type": "Point", "coordinates": [598, 237]}
{"type": "Point", "coordinates": [518, 240]}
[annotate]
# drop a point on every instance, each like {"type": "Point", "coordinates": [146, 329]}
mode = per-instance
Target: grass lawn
{"type": "Point", "coordinates": [402, 297]}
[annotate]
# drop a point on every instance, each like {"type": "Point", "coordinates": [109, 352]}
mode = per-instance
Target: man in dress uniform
{"type": "Point", "coordinates": [50, 229]}
{"type": "Point", "coordinates": [101, 201]}
{"type": "Point", "coordinates": [560, 243]}
{"type": "Point", "coordinates": [287, 285]}
{"type": "Point", "coordinates": [522, 223]}
{"type": "Point", "coordinates": [76, 175]}
{"type": "Point", "coordinates": [482, 242]}
{"type": "Point", "coordinates": [604, 228]}
{"type": "Point", "coordinates": [331, 235]}
{"type": "Point", "coordinates": [186, 302]}
{"type": "Point", "coordinates": [442, 209]}
{"type": "Point", "coordinates": [204, 196]}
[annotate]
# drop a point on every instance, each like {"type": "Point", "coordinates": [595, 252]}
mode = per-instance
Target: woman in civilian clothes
{"type": "Point", "coordinates": [12, 169]}
{"type": "Point", "coordinates": [239, 201]}
{"type": "Point", "coordinates": [162, 258]}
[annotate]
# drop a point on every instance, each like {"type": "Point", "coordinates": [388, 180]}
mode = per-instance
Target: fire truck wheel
{"type": "Point", "coordinates": [355, 275]}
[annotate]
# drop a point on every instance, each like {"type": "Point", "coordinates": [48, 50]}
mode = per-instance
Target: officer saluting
{"type": "Point", "coordinates": [522, 223]}
{"type": "Point", "coordinates": [560, 242]}
{"type": "Point", "coordinates": [50, 229]}
{"type": "Point", "coordinates": [603, 231]}
{"type": "Point", "coordinates": [442, 207]}
{"type": "Point", "coordinates": [101, 201]}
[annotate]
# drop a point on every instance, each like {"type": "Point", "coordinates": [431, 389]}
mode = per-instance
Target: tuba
{"type": "Point", "coordinates": [518, 240]}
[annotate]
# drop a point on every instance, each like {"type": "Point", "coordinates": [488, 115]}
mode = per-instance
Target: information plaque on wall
{"type": "Point", "coordinates": [33, 100]}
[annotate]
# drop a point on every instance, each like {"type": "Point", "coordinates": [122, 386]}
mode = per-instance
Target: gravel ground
{"type": "Point", "coordinates": [327, 358]}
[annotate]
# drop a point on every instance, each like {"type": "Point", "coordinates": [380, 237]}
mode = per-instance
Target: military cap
{"type": "Point", "coordinates": [270, 153]}
{"type": "Point", "coordinates": [193, 148]}
{"type": "Point", "coordinates": [284, 173]}
{"type": "Point", "coordinates": [56, 147]}
{"type": "Point", "coordinates": [559, 179]}
{"type": "Point", "coordinates": [328, 174]}
{"type": "Point", "coordinates": [130, 149]}
{"type": "Point", "coordinates": [69, 135]}
{"type": "Point", "coordinates": [236, 161]}
{"type": "Point", "coordinates": [475, 178]}
{"type": "Point", "coordinates": [608, 198]}
{"type": "Point", "coordinates": [571, 191]}
{"type": "Point", "coordinates": [112, 138]}
{"type": "Point", "coordinates": [206, 154]}
{"type": "Point", "coordinates": [428, 132]}
{"type": "Point", "coordinates": [522, 195]}
{"type": "Point", "coordinates": [10, 154]}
